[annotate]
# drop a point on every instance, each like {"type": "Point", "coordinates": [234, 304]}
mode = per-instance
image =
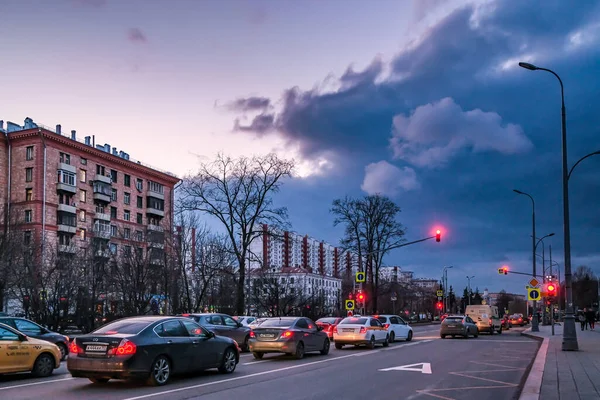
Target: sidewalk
{"type": "Point", "coordinates": [557, 374]}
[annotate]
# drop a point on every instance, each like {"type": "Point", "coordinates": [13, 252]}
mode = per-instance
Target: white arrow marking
{"type": "Point", "coordinates": [424, 368]}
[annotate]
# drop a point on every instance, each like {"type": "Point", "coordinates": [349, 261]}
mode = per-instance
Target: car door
{"type": "Point", "coordinates": [14, 353]}
{"type": "Point", "coordinates": [396, 327]}
{"type": "Point", "coordinates": [308, 339]}
{"type": "Point", "coordinates": [204, 350]}
{"type": "Point", "coordinates": [214, 323]}
{"type": "Point", "coordinates": [177, 343]}
{"type": "Point", "coordinates": [317, 337]}
{"type": "Point", "coordinates": [29, 328]}
{"type": "Point", "coordinates": [232, 329]}
{"type": "Point", "coordinates": [380, 329]}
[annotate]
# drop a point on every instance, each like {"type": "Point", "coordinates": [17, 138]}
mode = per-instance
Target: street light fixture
{"type": "Point", "coordinates": [469, 279]}
{"type": "Point", "coordinates": [535, 321]}
{"type": "Point", "coordinates": [445, 275]}
{"type": "Point", "coordinates": [569, 331]}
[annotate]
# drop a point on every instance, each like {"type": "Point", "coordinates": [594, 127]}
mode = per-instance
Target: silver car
{"type": "Point", "coordinates": [458, 325]}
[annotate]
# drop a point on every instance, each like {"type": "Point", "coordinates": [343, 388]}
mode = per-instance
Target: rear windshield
{"type": "Point", "coordinates": [354, 321]}
{"type": "Point", "coordinates": [382, 319]}
{"type": "Point", "coordinates": [453, 319]}
{"type": "Point", "coordinates": [279, 323]}
{"type": "Point", "coordinates": [127, 327]}
{"type": "Point", "coordinates": [326, 321]}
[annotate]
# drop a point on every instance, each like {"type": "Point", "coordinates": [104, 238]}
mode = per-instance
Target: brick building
{"type": "Point", "coordinates": [73, 195]}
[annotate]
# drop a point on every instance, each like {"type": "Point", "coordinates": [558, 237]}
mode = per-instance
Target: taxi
{"type": "Point", "coordinates": [360, 331]}
{"type": "Point", "coordinates": [24, 354]}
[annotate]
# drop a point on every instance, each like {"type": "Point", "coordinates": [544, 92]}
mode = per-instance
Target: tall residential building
{"type": "Point", "coordinates": [71, 193]}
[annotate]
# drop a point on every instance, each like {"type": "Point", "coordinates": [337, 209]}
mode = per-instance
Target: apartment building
{"type": "Point", "coordinates": [72, 194]}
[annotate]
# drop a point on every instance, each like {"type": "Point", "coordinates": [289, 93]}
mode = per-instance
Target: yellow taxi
{"type": "Point", "coordinates": [21, 353]}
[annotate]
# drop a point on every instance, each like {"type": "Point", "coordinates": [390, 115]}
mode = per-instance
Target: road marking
{"type": "Point", "coordinates": [145, 396]}
{"type": "Point", "coordinates": [35, 383]}
{"type": "Point", "coordinates": [407, 345]}
{"type": "Point", "coordinates": [504, 341]}
{"type": "Point", "coordinates": [255, 362]}
{"type": "Point", "coordinates": [424, 369]}
{"type": "Point", "coordinates": [483, 379]}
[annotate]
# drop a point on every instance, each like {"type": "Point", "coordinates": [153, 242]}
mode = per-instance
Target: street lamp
{"type": "Point", "coordinates": [569, 332]}
{"type": "Point", "coordinates": [534, 323]}
{"type": "Point", "coordinates": [469, 279]}
{"type": "Point", "coordinates": [445, 275]}
{"type": "Point", "coordinates": [544, 314]}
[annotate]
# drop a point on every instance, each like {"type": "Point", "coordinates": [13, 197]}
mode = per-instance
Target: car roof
{"type": "Point", "coordinates": [10, 328]}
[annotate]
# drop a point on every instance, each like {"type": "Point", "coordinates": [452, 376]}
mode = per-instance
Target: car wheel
{"type": "Point", "coordinates": [387, 341]}
{"type": "Point", "coordinates": [43, 366]}
{"type": "Point", "coordinates": [371, 343]}
{"type": "Point", "coordinates": [299, 351]}
{"type": "Point", "coordinates": [326, 347]}
{"type": "Point", "coordinates": [443, 336]}
{"type": "Point", "coordinates": [476, 334]}
{"type": "Point", "coordinates": [98, 380]}
{"type": "Point", "coordinates": [245, 346]}
{"type": "Point", "coordinates": [392, 337]}
{"type": "Point", "coordinates": [339, 346]}
{"type": "Point", "coordinates": [410, 335]}
{"type": "Point", "coordinates": [63, 351]}
{"type": "Point", "coordinates": [258, 355]}
{"type": "Point", "coordinates": [160, 372]}
{"type": "Point", "coordinates": [500, 331]}
{"type": "Point", "coordinates": [229, 362]}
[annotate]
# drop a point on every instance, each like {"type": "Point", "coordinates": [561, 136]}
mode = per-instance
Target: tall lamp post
{"type": "Point", "coordinates": [569, 342]}
{"type": "Point", "coordinates": [535, 321]}
{"type": "Point", "coordinates": [445, 275]}
{"type": "Point", "coordinates": [469, 280]}
{"type": "Point", "coordinates": [541, 240]}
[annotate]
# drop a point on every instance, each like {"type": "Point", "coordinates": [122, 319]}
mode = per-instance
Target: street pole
{"type": "Point", "coordinates": [469, 280]}
{"type": "Point", "coordinates": [569, 342]}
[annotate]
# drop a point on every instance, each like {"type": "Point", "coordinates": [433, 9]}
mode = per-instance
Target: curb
{"type": "Point", "coordinates": [533, 384]}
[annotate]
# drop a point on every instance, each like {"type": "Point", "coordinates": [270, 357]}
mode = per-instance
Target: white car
{"type": "Point", "coordinates": [397, 328]}
{"type": "Point", "coordinates": [245, 320]}
{"type": "Point", "coordinates": [360, 330]}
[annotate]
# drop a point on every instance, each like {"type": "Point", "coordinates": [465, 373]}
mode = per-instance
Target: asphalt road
{"type": "Point", "coordinates": [489, 367]}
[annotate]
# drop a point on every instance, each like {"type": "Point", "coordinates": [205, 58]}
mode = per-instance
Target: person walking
{"type": "Point", "coordinates": [591, 318]}
{"type": "Point", "coordinates": [582, 318]}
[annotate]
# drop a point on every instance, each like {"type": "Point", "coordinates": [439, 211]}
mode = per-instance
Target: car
{"type": "Point", "coordinates": [517, 319]}
{"type": "Point", "coordinates": [21, 353]}
{"type": "Point", "coordinates": [256, 322]}
{"type": "Point", "coordinates": [223, 325]}
{"type": "Point", "coordinates": [327, 324]}
{"type": "Point", "coordinates": [358, 331]}
{"type": "Point", "coordinates": [397, 328]}
{"type": "Point", "coordinates": [290, 335]}
{"type": "Point", "coordinates": [150, 348]}
{"type": "Point", "coordinates": [486, 318]}
{"type": "Point", "coordinates": [458, 325]}
{"type": "Point", "coordinates": [244, 319]}
{"type": "Point", "coordinates": [506, 322]}
{"type": "Point", "coordinates": [31, 329]}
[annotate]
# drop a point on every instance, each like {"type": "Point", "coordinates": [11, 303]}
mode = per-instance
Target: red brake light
{"type": "Point", "coordinates": [185, 315]}
{"type": "Point", "coordinates": [111, 332]}
{"type": "Point", "coordinates": [73, 348]}
{"type": "Point", "coordinates": [335, 329]}
{"type": "Point", "coordinates": [386, 326]}
{"type": "Point", "coordinates": [126, 348]}
{"type": "Point", "coordinates": [287, 334]}
{"type": "Point", "coordinates": [252, 334]}
{"type": "Point", "coordinates": [363, 329]}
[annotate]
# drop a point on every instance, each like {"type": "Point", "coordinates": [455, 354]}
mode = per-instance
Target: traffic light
{"type": "Point", "coordinates": [503, 270]}
{"type": "Point", "coordinates": [350, 296]}
{"type": "Point", "coordinates": [551, 290]}
{"type": "Point", "coordinates": [438, 235]}
{"type": "Point", "coordinates": [439, 305]}
{"type": "Point", "coordinates": [361, 297]}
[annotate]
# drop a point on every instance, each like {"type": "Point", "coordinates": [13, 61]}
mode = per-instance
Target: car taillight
{"type": "Point", "coordinates": [125, 348]}
{"type": "Point", "coordinates": [335, 329]}
{"type": "Point", "coordinates": [252, 334]}
{"type": "Point", "coordinates": [74, 349]}
{"type": "Point", "coordinates": [363, 329]}
{"type": "Point", "coordinates": [386, 326]}
{"type": "Point", "coordinates": [287, 334]}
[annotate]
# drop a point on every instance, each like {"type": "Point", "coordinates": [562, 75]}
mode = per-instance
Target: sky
{"type": "Point", "coordinates": [422, 101]}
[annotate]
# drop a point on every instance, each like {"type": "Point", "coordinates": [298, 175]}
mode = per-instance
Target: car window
{"type": "Point", "coordinates": [214, 320]}
{"type": "Point", "coordinates": [311, 325]}
{"type": "Point", "coordinates": [394, 321]}
{"type": "Point", "coordinates": [302, 324]}
{"type": "Point", "coordinates": [194, 330]}
{"type": "Point", "coordinates": [469, 320]}
{"type": "Point", "coordinates": [401, 321]}
{"type": "Point", "coordinates": [330, 321]}
{"type": "Point", "coordinates": [7, 335]}
{"type": "Point", "coordinates": [353, 321]}
{"type": "Point", "coordinates": [375, 322]}
{"type": "Point", "coordinates": [230, 322]}
{"type": "Point", "coordinates": [127, 327]}
{"type": "Point", "coordinates": [277, 322]}
{"type": "Point", "coordinates": [171, 329]}
{"type": "Point", "coordinates": [28, 328]}
{"type": "Point", "coordinates": [383, 320]}
{"type": "Point", "coordinates": [250, 320]}
{"type": "Point", "coordinates": [453, 319]}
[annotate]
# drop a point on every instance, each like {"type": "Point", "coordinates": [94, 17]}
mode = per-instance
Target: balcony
{"type": "Point", "coordinates": [102, 254]}
{"type": "Point", "coordinates": [103, 179]}
{"type": "Point", "coordinates": [102, 216]}
{"type": "Point", "coordinates": [65, 187]}
{"type": "Point", "coordinates": [155, 228]}
{"type": "Point", "coordinates": [106, 198]}
{"type": "Point", "coordinates": [67, 208]}
{"type": "Point", "coordinates": [156, 245]}
{"type": "Point", "coordinates": [155, 211]}
{"type": "Point", "coordinates": [67, 249]}
{"type": "Point", "coordinates": [101, 231]}
{"type": "Point", "coordinates": [155, 194]}
{"type": "Point", "coordinates": [67, 167]}
{"type": "Point", "coordinates": [66, 228]}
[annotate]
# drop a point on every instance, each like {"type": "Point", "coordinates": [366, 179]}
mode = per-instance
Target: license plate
{"type": "Point", "coordinates": [347, 330]}
{"type": "Point", "coordinates": [451, 326]}
{"type": "Point", "coordinates": [95, 348]}
{"type": "Point", "coordinates": [267, 335]}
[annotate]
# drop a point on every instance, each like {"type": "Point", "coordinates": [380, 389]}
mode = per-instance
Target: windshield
{"type": "Point", "coordinates": [277, 323]}
{"type": "Point", "coordinates": [327, 321]}
{"type": "Point", "coordinates": [353, 321]}
{"type": "Point", "coordinates": [127, 327]}
{"type": "Point", "coordinates": [453, 319]}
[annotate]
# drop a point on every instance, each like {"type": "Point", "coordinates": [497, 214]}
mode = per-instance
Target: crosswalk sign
{"type": "Point", "coordinates": [360, 276]}
{"type": "Point", "coordinates": [349, 304]}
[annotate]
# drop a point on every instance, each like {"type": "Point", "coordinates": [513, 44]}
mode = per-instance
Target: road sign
{"type": "Point", "coordinates": [440, 293]}
{"type": "Point", "coordinates": [360, 276]}
{"type": "Point", "coordinates": [349, 304]}
{"type": "Point", "coordinates": [350, 313]}
{"type": "Point", "coordinates": [533, 294]}
{"type": "Point", "coordinates": [394, 298]}
{"type": "Point", "coordinates": [533, 282]}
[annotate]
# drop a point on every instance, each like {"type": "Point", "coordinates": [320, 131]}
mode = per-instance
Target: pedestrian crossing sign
{"type": "Point", "coordinates": [349, 304]}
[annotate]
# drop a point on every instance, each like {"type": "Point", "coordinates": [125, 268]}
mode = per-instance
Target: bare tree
{"type": "Point", "coordinates": [238, 193]}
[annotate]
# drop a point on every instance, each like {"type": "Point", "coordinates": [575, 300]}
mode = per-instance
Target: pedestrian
{"type": "Point", "coordinates": [581, 318]}
{"type": "Point", "coordinates": [591, 318]}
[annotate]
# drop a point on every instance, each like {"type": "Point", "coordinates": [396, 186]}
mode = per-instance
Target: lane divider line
{"type": "Point", "coordinates": [35, 383]}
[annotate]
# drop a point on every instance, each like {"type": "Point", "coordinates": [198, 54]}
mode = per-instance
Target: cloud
{"type": "Point", "coordinates": [261, 124]}
{"type": "Point", "coordinates": [436, 132]}
{"type": "Point", "coordinates": [387, 179]}
{"type": "Point", "coordinates": [136, 36]}
{"type": "Point", "coordinates": [249, 104]}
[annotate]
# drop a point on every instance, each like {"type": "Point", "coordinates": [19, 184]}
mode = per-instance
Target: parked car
{"type": "Point", "coordinates": [36, 331]}
{"type": "Point", "coordinates": [223, 325]}
{"type": "Point", "coordinates": [152, 348]}
{"type": "Point", "coordinates": [458, 325]}
{"type": "Point", "coordinates": [327, 324]}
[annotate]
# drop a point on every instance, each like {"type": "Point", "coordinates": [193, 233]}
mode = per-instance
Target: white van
{"type": "Point", "coordinates": [486, 317]}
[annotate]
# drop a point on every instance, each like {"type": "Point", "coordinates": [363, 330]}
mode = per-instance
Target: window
{"type": "Point", "coordinates": [127, 198]}
{"type": "Point", "coordinates": [66, 219]}
{"type": "Point", "coordinates": [156, 187]}
{"type": "Point", "coordinates": [28, 174]}
{"type": "Point", "coordinates": [140, 202]}
{"type": "Point", "coordinates": [67, 178]}
{"type": "Point", "coordinates": [140, 218]}
{"type": "Point", "coordinates": [127, 233]}
{"type": "Point", "coordinates": [139, 236]}
{"type": "Point", "coordinates": [100, 170]}
{"type": "Point", "coordinates": [114, 195]}
{"type": "Point", "coordinates": [83, 161]}
{"type": "Point", "coordinates": [193, 329]}
{"type": "Point", "coordinates": [127, 180]}
{"type": "Point", "coordinates": [302, 324]}
{"type": "Point", "coordinates": [64, 240]}
{"type": "Point", "coordinates": [28, 216]}
{"type": "Point", "coordinates": [113, 175]}
{"type": "Point", "coordinates": [113, 212]}
{"type": "Point", "coordinates": [82, 196]}
{"type": "Point", "coordinates": [27, 237]}
{"type": "Point", "coordinates": [82, 215]}
{"type": "Point", "coordinates": [127, 250]}
{"type": "Point", "coordinates": [156, 204]}
{"type": "Point", "coordinates": [65, 158]}
{"type": "Point", "coordinates": [29, 153]}
{"type": "Point", "coordinates": [139, 184]}
{"type": "Point", "coordinates": [28, 194]}
{"type": "Point", "coordinates": [230, 322]}
{"type": "Point", "coordinates": [113, 230]}
{"type": "Point", "coordinates": [112, 247]}
{"type": "Point", "coordinates": [171, 329]}
{"type": "Point", "coordinates": [6, 335]}
{"type": "Point", "coordinates": [82, 175]}
{"type": "Point", "coordinates": [82, 234]}
{"type": "Point", "coordinates": [126, 215]}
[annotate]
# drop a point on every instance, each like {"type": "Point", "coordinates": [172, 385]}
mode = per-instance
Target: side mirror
{"type": "Point", "coordinates": [22, 338]}
{"type": "Point", "coordinates": [211, 334]}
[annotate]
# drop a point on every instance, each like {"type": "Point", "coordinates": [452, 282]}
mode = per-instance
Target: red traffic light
{"type": "Point", "coordinates": [361, 297]}
{"type": "Point", "coordinates": [438, 235]}
{"type": "Point", "coordinates": [439, 305]}
{"type": "Point", "coordinates": [551, 290]}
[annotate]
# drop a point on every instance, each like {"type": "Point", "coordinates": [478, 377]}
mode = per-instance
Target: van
{"type": "Point", "coordinates": [486, 317]}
